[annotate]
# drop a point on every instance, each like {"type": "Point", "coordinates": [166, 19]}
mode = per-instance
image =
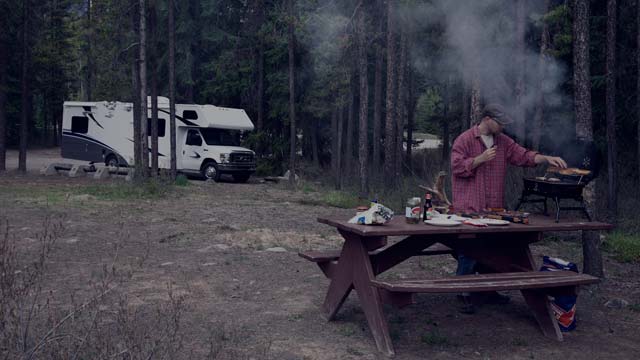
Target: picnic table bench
{"type": "Point", "coordinates": [503, 250]}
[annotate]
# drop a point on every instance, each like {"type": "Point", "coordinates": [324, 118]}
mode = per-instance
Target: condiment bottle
{"type": "Point", "coordinates": [427, 207]}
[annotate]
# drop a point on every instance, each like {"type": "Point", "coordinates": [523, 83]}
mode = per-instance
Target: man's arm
{"type": "Point", "coordinates": [551, 160]}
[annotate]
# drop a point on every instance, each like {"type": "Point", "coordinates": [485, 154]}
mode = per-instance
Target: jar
{"type": "Point", "coordinates": [412, 210]}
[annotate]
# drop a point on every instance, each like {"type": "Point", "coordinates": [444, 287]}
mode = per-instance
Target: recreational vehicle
{"type": "Point", "coordinates": [207, 137]}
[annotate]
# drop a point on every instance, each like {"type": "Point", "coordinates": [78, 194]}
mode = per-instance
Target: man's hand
{"type": "Point", "coordinates": [556, 161]}
{"type": "Point", "coordinates": [487, 155]}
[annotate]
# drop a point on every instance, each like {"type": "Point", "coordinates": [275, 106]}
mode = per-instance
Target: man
{"type": "Point", "coordinates": [479, 159]}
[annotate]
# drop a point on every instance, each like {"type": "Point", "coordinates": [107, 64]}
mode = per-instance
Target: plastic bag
{"type": "Point", "coordinates": [563, 306]}
{"type": "Point", "coordinates": [377, 214]}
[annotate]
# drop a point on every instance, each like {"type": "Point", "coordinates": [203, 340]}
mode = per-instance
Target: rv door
{"type": "Point", "coordinates": [192, 155]}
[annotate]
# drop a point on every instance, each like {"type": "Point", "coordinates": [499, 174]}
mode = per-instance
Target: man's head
{"type": "Point", "coordinates": [495, 118]}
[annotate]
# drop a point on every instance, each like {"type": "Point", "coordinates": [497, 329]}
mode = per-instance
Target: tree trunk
{"type": "Point", "coordinates": [466, 100]}
{"type": "Point", "coordinates": [154, 87]}
{"type": "Point", "coordinates": [410, 119]}
{"type": "Point", "coordinates": [377, 107]}
{"type": "Point", "coordinates": [389, 143]}
{"type": "Point", "coordinates": [584, 126]}
{"type": "Point", "coordinates": [476, 107]}
{"type": "Point", "coordinates": [3, 101]}
{"type": "Point", "coordinates": [334, 143]}
{"type": "Point", "coordinates": [538, 118]}
{"type": "Point", "coordinates": [315, 146]}
{"type": "Point", "coordinates": [611, 108]}
{"type": "Point", "coordinates": [137, 159]}
{"type": "Point", "coordinates": [292, 97]}
{"type": "Point", "coordinates": [89, 69]}
{"type": "Point", "coordinates": [520, 114]}
{"type": "Point", "coordinates": [259, 8]}
{"type": "Point", "coordinates": [144, 105]}
{"type": "Point", "coordinates": [25, 112]}
{"type": "Point", "coordinates": [172, 87]}
{"type": "Point", "coordinates": [363, 132]}
{"type": "Point", "coordinates": [445, 123]}
{"type": "Point", "coordinates": [638, 84]}
{"type": "Point", "coordinates": [348, 156]}
{"type": "Point", "coordinates": [340, 130]}
{"type": "Point", "coordinates": [401, 104]}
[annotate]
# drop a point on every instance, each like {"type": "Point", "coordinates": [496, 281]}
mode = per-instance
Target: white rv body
{"type": "Point", "coordinates": [207, 137]}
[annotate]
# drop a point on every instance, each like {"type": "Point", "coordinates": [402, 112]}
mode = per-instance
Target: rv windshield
{"type": "Point", "coordinates": [221, 136]}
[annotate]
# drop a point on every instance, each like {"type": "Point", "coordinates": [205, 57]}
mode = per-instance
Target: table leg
{"type": "Point", "coordinates": [370, 299]}
{"type": "Point", "coordinates": [354, 271]}
{"type": "Point", "coordinates": [341, 283]}
{"type": "Point", "coordinates": [505, 253]}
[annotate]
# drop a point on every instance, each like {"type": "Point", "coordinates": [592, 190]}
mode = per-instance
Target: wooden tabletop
{"type": "Point", "coordinates": [398, 227]}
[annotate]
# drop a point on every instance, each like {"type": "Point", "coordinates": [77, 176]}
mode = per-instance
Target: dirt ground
{"type": "Point", "coordinates": [231, 251]}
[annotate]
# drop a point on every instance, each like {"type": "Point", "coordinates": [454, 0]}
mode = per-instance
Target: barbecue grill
{"type": "Point", "coordinates": [558, 187]}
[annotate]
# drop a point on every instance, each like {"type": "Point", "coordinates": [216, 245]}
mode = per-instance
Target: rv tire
{"type": "Point", "coordinates": [210, 171]}
{"type": "Point", "coordinates": [111, 161]}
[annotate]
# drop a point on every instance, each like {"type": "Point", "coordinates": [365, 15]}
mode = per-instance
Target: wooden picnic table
{"type": "Point", "coordinates": [502, 249]}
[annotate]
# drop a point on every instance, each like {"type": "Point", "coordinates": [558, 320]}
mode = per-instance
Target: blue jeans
{"type": "Point", "coordinates": [466, 265]}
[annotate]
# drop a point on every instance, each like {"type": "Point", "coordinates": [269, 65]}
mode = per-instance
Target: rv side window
{"type": "Point", "coordinates": [79, 124]}
{"type": "Point", "coordinates": [190, 115]}
{"type": "Point", "coordinates": [162, 123]}
{"type": "Point", "coordinates": [193, 138]}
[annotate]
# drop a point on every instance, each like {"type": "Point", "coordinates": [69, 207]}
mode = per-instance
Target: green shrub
{"type": "Point", "coordinates": [181, 180]}
{"type": "Point", "coordinates": [626, 247]}
{"type": "Point", "coordinates": [341, 200]}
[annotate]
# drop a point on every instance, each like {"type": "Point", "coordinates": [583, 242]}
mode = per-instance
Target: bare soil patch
{"type": "Point", "coordinates": [212, 243]}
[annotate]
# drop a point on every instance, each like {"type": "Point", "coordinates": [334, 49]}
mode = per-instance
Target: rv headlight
{"type": "Point", "coordinates": [224, 158]}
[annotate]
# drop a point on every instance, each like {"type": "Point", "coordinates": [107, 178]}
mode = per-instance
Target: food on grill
{"type": "Point", "coordinates": [569, 171]}
{"type": "Point", "coordinates": [553, 179]}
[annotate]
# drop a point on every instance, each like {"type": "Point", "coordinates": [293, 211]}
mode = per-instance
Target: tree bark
{"type": "Point", "coordinates": [3, 101]}
{"type": "Point", "coordinates": [144, 105]}
{"type": "Point", "coordinates": [172, 87]}
{"type": "Point", "coordinates": [520, 114]}
{"type": "Point", "coordinates": [154, 87]}
{"type": "Point", "coordinates": [89, 69]}
{"type": "Point", "coordinates": [25, 111]}
{"type": "Point", "coordinates": [401, 104]}
{"type": "Point", "coordinates": [334, 143]}
{"type": "Point", "coordinates": [584, 125]}
{"type": "Point", "coordinates": [611, 108]}
{"type": "Point", "coordinates": [538, 118]}
{"type": "Point", "coordinates": [259, 9]}
{"type": "Point", "coordinates": [475, 101]}
{"type": "Point", "coordinates": [340, 130]}
{"type": "Point", "coordinates": [390, 127]}
{"type": "Point", "coordinates": [411, 111]}
{"type": "Point", "coordinates": [292, 97]}
{"type": "Point", "coordinates": [363, 133]}
{"type": "Point", "coordinates": [137, 158]}
{"type": "Point", "coordinates": [445, 122]}
{"type": "Point", "coordinates": [348, 156]}
{"type": "Point", "coordinates": [638, 81]}
{"type": "Point", "coordinates": [377, 94]}
{"type": "Point", "coordinates": [466, 101]}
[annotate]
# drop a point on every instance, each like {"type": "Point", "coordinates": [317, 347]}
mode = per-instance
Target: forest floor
{"type": "Point", "coordinates": [230, 252]}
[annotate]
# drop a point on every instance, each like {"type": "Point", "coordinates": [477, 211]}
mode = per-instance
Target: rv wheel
{"type": "Point", "coordinates": [210, 171]}
{"type": "Point", "coordinates": [111, 161]}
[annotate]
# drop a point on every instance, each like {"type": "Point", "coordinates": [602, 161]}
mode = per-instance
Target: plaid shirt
{"type": "Point", "coordinates": [483, 187]}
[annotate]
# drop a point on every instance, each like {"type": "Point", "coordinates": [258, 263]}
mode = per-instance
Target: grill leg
{"type": "Point", "coordinates": [546, 213]}
{"type": "Point", "coordinates": [557, 201]}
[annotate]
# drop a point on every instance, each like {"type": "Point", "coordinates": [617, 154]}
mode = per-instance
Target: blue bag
{"type": "Point", "coordinates": [564, 307]}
